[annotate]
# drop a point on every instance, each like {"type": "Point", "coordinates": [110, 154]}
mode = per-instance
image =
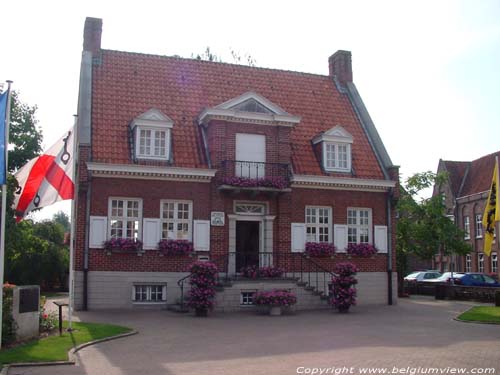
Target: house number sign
{"type": "Point", "coordinates": [217, 219]}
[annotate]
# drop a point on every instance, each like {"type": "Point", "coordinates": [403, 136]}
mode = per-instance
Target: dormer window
{"type": "Point", "coordinates": [152, 135]}
{"type": "Point", "coordinates": [335, 149]}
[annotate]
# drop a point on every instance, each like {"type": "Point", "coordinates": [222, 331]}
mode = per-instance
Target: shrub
{"type": "Point", "coordinates": [176, 247]}
{"type": "Point", "coordinates": [344, 292]}
{"type": "Point", "coordinates": [320, 249]}
{"type": "Point", "coordinates": [361, 249]}
{"type": "Point", "coordinates": [275, 298]}
{"type": "Point", "coordinates": [9, 325]}
{"type": "Point", "coordinates": [203, 281]}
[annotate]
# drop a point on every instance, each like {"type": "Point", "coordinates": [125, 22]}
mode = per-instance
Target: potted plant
{"type": "Point", "coordinates": [123, 245]}
{"type": "Point", "coordinates": [320, 249]}
{"type": "Point", "coordinates": [175, 247]}
{"type": "Point", "coordinates": [361, 249]}
{"type": "Point", "coordinates": [343, 290]}
{"type": "Point", "coordinates": [202, 293]}
{"type": "Point", "coordinates": [275, 300]}
{"type": "Point", "coordinates": [255, 272]}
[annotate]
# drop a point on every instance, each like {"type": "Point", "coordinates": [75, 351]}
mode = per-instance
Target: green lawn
{"type": "Point", "coordinates": [55, 348]}
{"type": "Point", "coordinates": [482, 314]}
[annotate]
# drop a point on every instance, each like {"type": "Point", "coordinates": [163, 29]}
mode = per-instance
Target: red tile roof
{"type": "Point", "coordinates": [479, 177]}
{"type": "Point", "coordinates": [127, 84]}
{"type": "Point", "coordinates": [457, 170]}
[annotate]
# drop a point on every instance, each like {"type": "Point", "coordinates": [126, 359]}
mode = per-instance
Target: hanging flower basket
{"type": "Point", "coordinates": [175, 247]}
{"type": "Point", "coordinates": [361, 249]}
{"type": "Point", "coordinates": [123, 246]}
{"type": "Point", "coordinates": [320, 249]}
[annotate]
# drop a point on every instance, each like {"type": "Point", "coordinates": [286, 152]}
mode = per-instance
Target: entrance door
{"type": "Point", "coordinates": [247, 244]}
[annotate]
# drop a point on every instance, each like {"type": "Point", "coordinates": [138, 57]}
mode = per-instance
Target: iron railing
{"type": "Point", "coordinates": [251, 174]}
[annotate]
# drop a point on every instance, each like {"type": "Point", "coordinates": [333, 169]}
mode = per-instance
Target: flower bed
{"type": "Point", "coordinates": [271, 182]}
{"type": "Point", "coordinates": [255, 272]}
{"type": "Point", "coordinates": [175, 247]}
{"type": "Point", "coordinates": [361, 249]}
{"type": "Point", "coordinates": [320, 249]}
{"type": "Point", "coordinates": [344, 292]}
{"type": "Point", "coordinates": [202, 294]}
{"type": "Point", "coordinates": [123, 245]}
{"type": "Point", "coordinates": [275, 298]}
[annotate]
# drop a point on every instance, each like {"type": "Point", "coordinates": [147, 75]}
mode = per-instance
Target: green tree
{"type": "Point", "coordinates": [62, 218]}
{"type": "Point", "coordinates": [423, 228]}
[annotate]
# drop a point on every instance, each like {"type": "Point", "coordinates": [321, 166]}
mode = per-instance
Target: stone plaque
{"type": "Point", "coordinates": [217, 219]}
{"type": "Point", "coordinates": [28, 300]}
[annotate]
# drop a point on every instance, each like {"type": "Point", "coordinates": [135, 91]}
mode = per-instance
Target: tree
{"type": "Point", "coordinates": [423, 228]}
{"type": "Point", "coordinates": [208, 55]}
{"type": "Point", "coordinates": [62, 218]}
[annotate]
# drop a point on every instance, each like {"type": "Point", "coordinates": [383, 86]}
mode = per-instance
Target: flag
{"type": "Point", "coordinates": [491, 211]}
{"type": "Point", "coordinates": [3, 142]}
{"type": "Point", "coordinates": [47, 178]}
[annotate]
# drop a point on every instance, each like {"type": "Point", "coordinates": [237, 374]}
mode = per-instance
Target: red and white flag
{"type": "Point", "coordinates": [47, 178]}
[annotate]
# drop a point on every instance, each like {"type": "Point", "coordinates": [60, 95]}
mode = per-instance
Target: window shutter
{"type": "Point", "coordinates": [164, 293]}
{"type": "Point", "coordinates": [298, 237]}
{"type": "Point", "coordinates": [381, 238]}
{"type": "Point", "coordinates": [98, 231]}
{"type": "Point", "coordinates": [133, 293]}
{"type": "Point", "coordinates": [201, 229]}
{"type": "Point", "coordinates": [150, 234]}
{"type": "Point", "coordinates": [340, 237]}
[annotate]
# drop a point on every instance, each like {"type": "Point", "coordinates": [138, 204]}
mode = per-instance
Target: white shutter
{"type": "Point", "coordinates": [250, 147]}
{"type": "Point", "coordinates": [340, 237]}
{"type": "Point", "coordinates": [98, 228]}
{"type": "Point", "coordinates": [298, 237]}
{"type": "Point", "coordinates": [150, 234]}
{"type": "Point", "coordinates": [201, 230]}
{"type": "Point", "coordinates": [164, 293]}
{"type": "Point", "coordinates": [381, 238]}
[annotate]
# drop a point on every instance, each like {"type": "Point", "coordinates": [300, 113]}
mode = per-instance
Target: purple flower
{"type": "Point", "coordinates": [361, 249]}
{"type": "Point", "coordinates": [343, 290]}
{"type": "Point", "coordinates": [123, 245]}
{"type": "Point", "coordinates": [320, 249]}
{"type": "Point", "coordinates": [275, 297]}
{"type": "Point", "coordinates": [272, 182]}
{"type": "Point", "coordinates": [175, 247]}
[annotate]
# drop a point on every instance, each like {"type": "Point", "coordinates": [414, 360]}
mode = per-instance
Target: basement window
{"type": "Point", "coordinates": [246, 297]}
{"type": "Point", "coordinates": [146, 293]}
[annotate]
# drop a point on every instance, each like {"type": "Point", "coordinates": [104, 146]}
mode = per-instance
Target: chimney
{"type": "Point", "coordinates": [92, 35]}
{"type": "Point", "coordinates": [340, 66]}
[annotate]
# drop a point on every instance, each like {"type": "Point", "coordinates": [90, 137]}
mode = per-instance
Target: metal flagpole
{"type": "Point", "coordinates": [4, 207]}
{"type": "Point", "coordinates": [72, 230]}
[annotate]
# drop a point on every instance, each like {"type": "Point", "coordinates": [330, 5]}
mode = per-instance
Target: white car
{"type": "Point", "coordinates": [422, 276]}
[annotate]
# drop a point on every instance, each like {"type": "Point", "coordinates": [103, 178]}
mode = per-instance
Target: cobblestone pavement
{"type": "Point", "coordinates": [419, 332]}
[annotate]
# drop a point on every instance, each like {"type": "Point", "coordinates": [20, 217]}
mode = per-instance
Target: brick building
{"type": "Point", "coordinates": [246, 163]}
{"type": "Point", "coordinates": [466, 193]}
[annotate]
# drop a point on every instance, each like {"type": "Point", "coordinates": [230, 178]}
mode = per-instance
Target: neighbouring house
{"type": "Point", "coordinates": [244, 165]}
{"type": "Point", "coordinates": [465, 194]}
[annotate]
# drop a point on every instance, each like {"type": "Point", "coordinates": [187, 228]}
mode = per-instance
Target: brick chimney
{"type": "Point", "coordinates": [340, 66]}
{"type": "Point", "coordinates": [92, 35]}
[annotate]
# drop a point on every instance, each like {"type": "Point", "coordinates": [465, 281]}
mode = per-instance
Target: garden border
{"type": "Point", "coordinates": [470, 321]}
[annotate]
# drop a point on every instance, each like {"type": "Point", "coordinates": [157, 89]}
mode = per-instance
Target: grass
{"type": "Point", "coordinates": [53, 294]}
{"type": "Point", "coordinates": [55, 348]}
{"type": "Point", "coordinates": [484, 314]}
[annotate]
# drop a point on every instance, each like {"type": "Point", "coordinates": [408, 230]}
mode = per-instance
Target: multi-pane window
{"type": "Point", "coordinates": [358, 225]}
{"type": "Point", "coordinates": [176, 219]}
{"type": "Point", "coordinates": [318, 224]}
{"type": "Point", "coordinates": [479, 226]}
{"type": "Point", "coordinates": [124, 218]}
{"type": "Point", "coordinates": [337, 156]}
{"type": "Point", "coordinates": [480, 262]}
{"type": "Point", "coordinates": [467, 227]}
{"type": "Point", "coordinates": [246, 298]}
{"type": "Point", "coordinates": [494, 262]}
{"type": "Point", "coordinates": [149, 293]}
{"type": "Point", "coordinates": [468, 263]}
{"type": "Point", "coordinates": [153, 143]}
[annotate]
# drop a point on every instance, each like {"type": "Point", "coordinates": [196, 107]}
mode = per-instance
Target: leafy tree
{"type": "Point", "coordinates": [423, 228]}
{"type": "Point", "coordinates": [62, 218]}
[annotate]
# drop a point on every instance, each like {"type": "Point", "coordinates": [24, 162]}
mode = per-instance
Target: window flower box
{"type": "Point", "coordinates": [270, 182]}
{"type": "Point", "coordinates": [255, 272]}
{"type": "Point", "coordinates": [320, 249]}
{"type": "Point", "coordinates": [175, 247]}
{"type": "Point", "coordinates": [123, 246]}
{"type": "Point", "coordinates": [361, 249]}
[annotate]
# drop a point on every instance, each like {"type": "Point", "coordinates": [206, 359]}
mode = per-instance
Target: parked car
{"type": "Point", "coordinates": [467, 279]}
{"type": "Point", "coordinates": [419, 276]}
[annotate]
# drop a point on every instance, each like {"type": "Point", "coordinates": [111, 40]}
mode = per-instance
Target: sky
{"type": "Point", "coordinates": [428, 71]}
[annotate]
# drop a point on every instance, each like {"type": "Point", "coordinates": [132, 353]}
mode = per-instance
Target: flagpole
{"type": "Point", "coordinates": [4, 206]}
{"type": "Point", "coordinates": [73, 231]}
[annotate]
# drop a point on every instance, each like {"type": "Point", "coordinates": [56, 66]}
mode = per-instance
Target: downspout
{"type": "Point", "coordinates": [86, 246]}
{"type": "Point", "coordinates": [389, 247]}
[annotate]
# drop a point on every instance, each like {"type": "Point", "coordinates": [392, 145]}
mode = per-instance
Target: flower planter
{"type": "Point", "coordinates": [343, 309]}
{"type": "Point", "coordinates": [202, 313]}
{"type": "Point", "coordinates": [275, 311]}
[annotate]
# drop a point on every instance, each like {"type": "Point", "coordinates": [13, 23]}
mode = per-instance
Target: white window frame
{"type": "Point", "coordinates": [480, 262]}
{"type": "Point", "coordinates": [149, 293]}
{"type": "Point", "coordinates": [468, 263]}
{"type": "Point", "coordinates": [176, 220]}
{"type": "Point", "coordinates": [467, 228]}
{"type": "Point", "coordinates": [125, 218]}
{"type": "Point", "coordinates": [244, 300]}
{"type": "Point", "coordinates": [319, 225]}
{"type": "Point", "coordinates": [154, 131]}
{"type": "Point", "coordinates": [336, 167]}
{"type": "Point", "coordinates": [358, 226]}
{"type": "Point", "coordinates": [494, 262]}
{"type": "Point", "coordinates": [479, 226]}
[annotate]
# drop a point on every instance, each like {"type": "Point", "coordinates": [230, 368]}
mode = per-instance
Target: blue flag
{"type": "Point", "coordinates": [3, 141]}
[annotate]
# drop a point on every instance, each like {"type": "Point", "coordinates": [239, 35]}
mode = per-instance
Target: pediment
{"type": "Point", "coordinates": [335, 134]}
{"type": "Point", "coordinates": [153, 117]}
{"type": "Point", "coordinates": [252, 102]}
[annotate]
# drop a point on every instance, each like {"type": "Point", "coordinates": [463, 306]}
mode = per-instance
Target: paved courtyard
{"type": "Point", "coordinates": [416, 333]}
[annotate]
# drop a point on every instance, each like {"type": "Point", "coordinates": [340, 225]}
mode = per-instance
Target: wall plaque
{"type": "Point", "coordinates": [217, 219]}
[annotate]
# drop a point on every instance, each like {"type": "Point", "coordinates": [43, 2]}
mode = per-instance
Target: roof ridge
{"type": "Point", "coordinates": [176, 57]}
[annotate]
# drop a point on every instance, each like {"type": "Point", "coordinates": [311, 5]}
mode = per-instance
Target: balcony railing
{"type": "Point", "coordinates": [251, 175]}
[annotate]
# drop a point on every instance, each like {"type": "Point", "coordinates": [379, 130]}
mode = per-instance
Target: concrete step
{"type": "Point", "coordinates": [178, 308]}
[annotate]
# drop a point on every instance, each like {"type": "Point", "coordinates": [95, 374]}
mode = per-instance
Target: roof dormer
{"type": "Point", "coordinates": [249, 108]}
{"type": "Point", "coordinates": [335, 149]}
{"type": "Point", "coordinates": [152, 134]}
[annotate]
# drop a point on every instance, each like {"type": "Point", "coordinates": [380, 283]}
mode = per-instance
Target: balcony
{"type": "Point", "coordinates": [237, 176]}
